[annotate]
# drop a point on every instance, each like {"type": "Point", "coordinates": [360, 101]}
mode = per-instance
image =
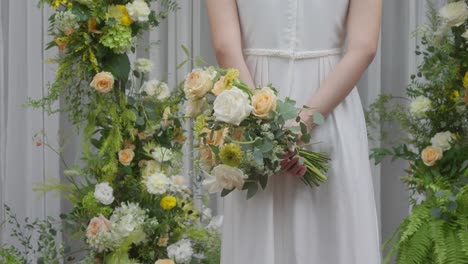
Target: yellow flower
{"type": "Point", "coordinates": [465, 80]}
{"type": "Point", "coordinates": [168, 202]}
{"type": "Point", "coordinates": [199, 125]}
{"type": "Point", "coordinates": [57, 3]}
{"type": "Point", "coordinates": [61, 43]}
{"type": "Point", "coordinates": [455, 95]}
{"type": "Point", "coordinates": [231, 76]}
{"type": "Point", "coordinates": [231, 154]}
{"type": "Point", "coordinates": [120, 13]}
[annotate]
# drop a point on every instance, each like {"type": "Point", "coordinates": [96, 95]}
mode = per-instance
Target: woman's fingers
{"type": "Point", "coordinates": [291, 163]}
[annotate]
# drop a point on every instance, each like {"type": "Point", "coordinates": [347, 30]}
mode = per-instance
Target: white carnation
{"type": "Point", "coordinates": [162, 154]}
{"type": "Point", "coordinates": [224, 177]}
{"type": "Point", "coordinates": [138, 10]}
{"type": "Point", "coordinates": [181, 251]}
{"type": "Point", "coordinates": [104, 193]}
{"type": "Point", "coordinates": [156, 88]}
{"type": "Point", "coordinates": [157, 183]}
{"type": "Point", "coordinates": [442, 140]}
{"type": "Point", "coordinates": [232, 106]}
{"type": "Point", "coordinates": [454, 14]}
{"type": "Point", "coordinates": [143, 65]}
{"type": "Point", "coordinates": [420, 106]}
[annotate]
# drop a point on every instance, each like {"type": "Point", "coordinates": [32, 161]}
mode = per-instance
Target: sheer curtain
{"type": "Point", "coordinates": [24, 73]}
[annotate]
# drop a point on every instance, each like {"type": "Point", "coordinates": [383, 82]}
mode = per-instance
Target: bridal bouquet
{"type": "Point", "coordinates": [244, 133]}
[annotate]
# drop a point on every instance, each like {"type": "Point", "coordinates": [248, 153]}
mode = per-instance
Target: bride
{"type": "Point", "coordinates": [297, 45]}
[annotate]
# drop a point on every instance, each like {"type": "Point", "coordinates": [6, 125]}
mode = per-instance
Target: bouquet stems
{"type": "Point", "coordinates": [316, 165]}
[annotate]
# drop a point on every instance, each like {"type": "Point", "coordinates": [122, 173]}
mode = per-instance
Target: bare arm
{"type": "Point", "coordinates": [363, 27]}
{"type": "Point", "coordinates": [226, 37]}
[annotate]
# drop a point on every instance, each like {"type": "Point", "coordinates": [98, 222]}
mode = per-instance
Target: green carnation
{"type": "Point", "coordinates": [118, 38]}
{"type": "Point", "coordinates": [92, 206]}
{"type": "Point", "coordinates": [231, 154]}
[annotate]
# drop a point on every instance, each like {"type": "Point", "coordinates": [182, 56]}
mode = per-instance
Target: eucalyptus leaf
{"type": "Point", "coordinates": [225, 192]}
{"type": "Point", "coordinates": [252, 190]}
{"type": "Point", "coordinates": [318, 118]}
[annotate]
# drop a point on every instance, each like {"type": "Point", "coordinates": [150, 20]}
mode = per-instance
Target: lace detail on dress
{"type": "Point", "coordinates": [291, 54]}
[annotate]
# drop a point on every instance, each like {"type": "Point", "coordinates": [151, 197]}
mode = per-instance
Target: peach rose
{"type": "Point", "coordinates": [431, 154]}
{"type": "Point", "coordinates": [98, 224]}
{"type": "Point", "coordinates": [128, 144]}
{"type": "Point", "coordinates": [207, 157]}
{"type": "Point", "coordinates": [103, 82]}
{"type": "Point", "coordinates": [126, 156]}
{"type": "Point", "coordinates": [219, 87]}
{"type": "Point", "coordinates": [164, 261]}
{"type": "Point", "coordinates": [217, 138]}
{"type": "Point", "coordinates": [197, 84]}
{"type": "Point", "coordinates": [264, 101]}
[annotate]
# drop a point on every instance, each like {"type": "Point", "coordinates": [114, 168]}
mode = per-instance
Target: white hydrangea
{"type": "Point", "coordinates": [138, 10]}
{"type": "Point", "coordinates": [127, 219]}
{"type": "Point", "coordinates": [104, 193]}
{"type": "Point", "coordinates": [181, 252]}
{"type": "Point", "coordinates": [144, 65]}
{"type": "Point", "coordinates": [443, 140]}
{"type": "Point", "coordinates": [420, 106]}
{"type": "Point", "coordinates": [157, 183]}
{"type": "Point", "coordinates": [66, 22]}
{"type": "Point", "coordinates": [162, 154]}
{"type": "Point", "coordinates": [156, 88]}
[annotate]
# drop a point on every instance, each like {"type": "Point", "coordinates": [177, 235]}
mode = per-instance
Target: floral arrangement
{"type": "Point", "coordinates": [435, 144]}
{"type": "Point", "coordinates": [130, 202]}
{"type": "Point", "coordinates": [244, 133]}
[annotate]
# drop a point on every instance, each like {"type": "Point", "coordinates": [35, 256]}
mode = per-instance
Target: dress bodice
{"type": "Point", "coordinates": [293, 27]}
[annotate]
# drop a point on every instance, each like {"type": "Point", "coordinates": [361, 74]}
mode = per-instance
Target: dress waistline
{"type": "Point", "coordinates": [291, 54]}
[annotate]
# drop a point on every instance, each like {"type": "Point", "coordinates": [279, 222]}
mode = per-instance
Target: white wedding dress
{"type": "Point", "coordinates": [294, 44]}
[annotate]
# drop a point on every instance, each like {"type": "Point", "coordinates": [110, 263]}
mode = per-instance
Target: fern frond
{"type": "Point", "coordinates": [415, 249]}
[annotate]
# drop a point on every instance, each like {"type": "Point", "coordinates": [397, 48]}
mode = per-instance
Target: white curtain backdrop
{"type": "Point", "coordinates": [24, 73]}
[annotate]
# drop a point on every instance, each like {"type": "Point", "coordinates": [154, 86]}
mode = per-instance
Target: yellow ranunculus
{"type": "Point", "coordinates": [120, 13]}
{"type": "Point", "coordinates": [168, 202]}
{"type": "Point", "coordinates": [454, 96]}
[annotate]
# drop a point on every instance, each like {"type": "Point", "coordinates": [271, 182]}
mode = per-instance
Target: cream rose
{"type": "Point", "coordinates": [143, 65]}
{"type": "Point", "coordinates": [194, 108]}
{"type": "Point", "coordinates": [420, 106]}
{"type": "Point", "coordinates": [97, 225]}
{"type": "Point", "coordinates": [264, 101]}
{"type": "Point", "coordinates": [138, 10]}
{"type": "Point", "coordinates": [232, 106]}
{"type": "Point", "coordinates": [103, 82]}
{"type": "Point", "coordinates": [126, 156]}
{"type": "Point", "coordinates": [224, 177]}
{"type": "Point", "coordinates": [431, 154]}
{"type": "Point", "coordinates": [104, 193]}
{"type": "Point", "coordinates": [442, 140]}
{"type": "Point", "coordinates": [165, 261]}
{"type": "Point", "coordinates": [197, 84]}
{"type": "Point", "coordinates": [454, 14]}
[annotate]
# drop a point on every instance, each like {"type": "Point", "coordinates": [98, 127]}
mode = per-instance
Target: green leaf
{"type": "Point", "coordinates": [186, 51]}
{"type": "Point", "coordinates": [287, 109]}
{"type": "Point", "coordinates": [264, 145]}
{"type": "Point", "coordinates": [118, 65]}
{"type": "Point", "coordinates": [182, 64]}
{"type": "Point", "coordinates": [225, 192]}
{"type": "Point", "coordinates": [215, 149]}
{"type": "Point", "coordinates": [252, 190]}
{"type": "Point", "coordinates": [263, 180]}
{"type": "Point", "coordinates": [258, 156]}
{"type": "Point", "coordinates": [318, 118]}
{"type": "Point", "coordinates": [305, 138]}
{"type": "Point", "coordinates": [303, 128]}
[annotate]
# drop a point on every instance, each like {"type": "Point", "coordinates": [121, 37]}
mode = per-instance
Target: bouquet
{"type": "Point", "coordinates": [244, 133]}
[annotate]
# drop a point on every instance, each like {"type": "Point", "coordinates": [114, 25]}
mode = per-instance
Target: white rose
{"type": "Point", "coordinates": [162, 154]}
{"type": "Point", "coordinates": [104, 193]}
{"type": "Point", "coordinates": [454, 14]}
{"type": "Point", "coordinates": [194, 108]}
{"type": "Point", "coordinates": [232, 106]}
{"type": "Point", "coordinates": [442, 140]}
{"type": "Point", "coordinates": [420, 106]}
{"type": "Point", "coordinates": [224, 177]}
{"type": "Point", "coordinates": [197, 84]}
{"type": "Point", "coordinates": [157, 183]}
{"type": "Point", "coordinates": [138, 10]}
{"type": "Point", "coordinates": [156, 88]}
{"type": "Point", "coordinates": [143, 65]}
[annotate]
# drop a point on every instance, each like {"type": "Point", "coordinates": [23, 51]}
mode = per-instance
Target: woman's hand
{"type": "Point", "coordinates": [292, 164]}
